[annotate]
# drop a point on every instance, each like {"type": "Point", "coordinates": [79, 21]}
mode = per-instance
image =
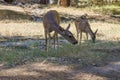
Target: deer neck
{"type": "Point", "coordinates": [57, 28]}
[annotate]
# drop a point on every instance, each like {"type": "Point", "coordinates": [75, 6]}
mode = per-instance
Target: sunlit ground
{"type": "Point", "coordinates": [106, 31]}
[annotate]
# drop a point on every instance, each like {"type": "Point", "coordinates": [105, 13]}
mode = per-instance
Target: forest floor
{"type": "Point", "coordinates": [46, 70]}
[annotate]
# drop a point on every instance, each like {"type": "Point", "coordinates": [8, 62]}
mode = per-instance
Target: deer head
{"type": "Point", "coordinates": [69, 36]}
{"type": "Point", "coordinates": [94, 36]}
{"type": "Point", "coordinates": [84, 16]}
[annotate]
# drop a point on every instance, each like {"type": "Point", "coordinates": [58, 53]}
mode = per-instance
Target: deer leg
{"type": "Point", "coordinates": [54, 37]}
{"type": "Point", "coordinates": [77, 36]}
{"type": "Point", "coordinates": [46, 41]}
{"type": "Point", "coordinates": [57, 39]}
{"type": "Point", "coordinates": [87, 36]}
{"type": "Point", "coordinates": [80, 37]}
{"type": "Point", "coordinates": [49, 39]}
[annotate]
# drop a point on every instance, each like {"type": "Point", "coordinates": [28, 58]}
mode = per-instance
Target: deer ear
{"type": "Point", "coordinates": [96, 31]}
{"type": "Point", "coordinates": [68, 27]}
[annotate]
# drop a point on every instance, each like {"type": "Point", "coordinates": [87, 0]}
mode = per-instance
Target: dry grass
{"type": "Point", "coordinates": [21, 29]}
{"type": "Point", "coordinates": [73, 11]}
{"type": "Point", "coordinates": [106, 31]}
{"type": "Point", "coordinates": [11, 7]}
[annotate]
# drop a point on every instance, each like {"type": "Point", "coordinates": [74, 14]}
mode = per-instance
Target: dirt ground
{"type": "Point", "coordinates": [51, 71]}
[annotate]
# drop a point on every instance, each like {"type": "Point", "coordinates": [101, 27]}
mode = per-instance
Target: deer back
{"type": "Point", "coordinates": [51, 18]}
{"type": "Point", "coordinates": [82, 25]}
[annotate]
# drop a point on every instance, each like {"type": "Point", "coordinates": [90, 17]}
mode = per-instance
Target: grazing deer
{"type": "Point", "coordinates": [51, 21]}
{"type": "Point", "coordinates": [82, 25]}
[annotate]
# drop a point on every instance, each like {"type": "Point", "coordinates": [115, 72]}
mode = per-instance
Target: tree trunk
{"type": "Point", "coordinates": [44, 1]}
{"type": "Point", "coordinates": [64, 3]}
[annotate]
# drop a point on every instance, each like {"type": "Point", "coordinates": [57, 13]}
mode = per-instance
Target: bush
{"type": "Point", "coordinates": [97, 2]}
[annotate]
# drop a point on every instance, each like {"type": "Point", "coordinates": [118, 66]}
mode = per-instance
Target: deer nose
{"type": "Point", "coordinates": [75, 42]}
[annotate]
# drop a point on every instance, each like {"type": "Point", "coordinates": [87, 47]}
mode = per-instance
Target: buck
{"type": "Point", "coordinates": [82, 26]}
{"type": "Point", "coordinates": [51, 23]}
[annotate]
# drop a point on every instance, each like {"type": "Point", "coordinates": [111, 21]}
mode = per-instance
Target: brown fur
{"type": "Point", "coordinates": [51, 22]}
{"type": "Point", "coordinates": [82, 25]}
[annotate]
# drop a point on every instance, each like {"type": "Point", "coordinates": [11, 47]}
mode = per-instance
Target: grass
{"type": "Point", "coordinates": [14, 56]}
{"type": "Point", "coordinates": [13, 15]}
{"type": "Point", "coordinates": [107, 9]}
{"type": "Point", "coordinates": [108, 37]}
{"type": "Point", "coordinates": [84, 52]}
{"type": "Point", "coordinates": [21, 29]}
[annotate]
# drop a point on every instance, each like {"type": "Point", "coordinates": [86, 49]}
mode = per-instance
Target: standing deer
{"type": "Point", "coordinates": [51, 21]}
{"type": "Point", "coordinates": [82, 25]}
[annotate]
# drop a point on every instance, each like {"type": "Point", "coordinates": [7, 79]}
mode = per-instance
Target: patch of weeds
{"type": "Point", "coordinates": [66, 50]}
{"type": "Point", "coordinates": [12, 57]}
{"type": "Point", "coordinates": [83, 54]}
{"type": "Point", "coordinates": [79, 52]}
{"type": "Point", "coordinates": [108, 9]}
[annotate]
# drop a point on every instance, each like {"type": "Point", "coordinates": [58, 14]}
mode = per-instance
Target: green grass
{"type": "Point", "coordinates": [84, 52]}
{"type": "Point", "coordinates": [14, 56]}
{"type": "Point", "coordinates": [108, 9]}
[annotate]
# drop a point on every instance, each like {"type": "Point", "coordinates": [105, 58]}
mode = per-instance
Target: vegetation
{"type": "Point", "coordinates": [15, 23]}
{"type": "Point", "coordinates": [107, 9]}
{"type": "Point", "coordinates": [86, 54]}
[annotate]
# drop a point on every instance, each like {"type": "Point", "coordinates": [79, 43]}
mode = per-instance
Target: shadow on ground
{"type": "Point", "coordinates": [47, 70]}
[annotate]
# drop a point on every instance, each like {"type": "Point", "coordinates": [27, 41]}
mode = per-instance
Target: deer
{"type": "Point", "coordinates": [51, 23]}
{"type": "Point", "coordinates": [82, 26]}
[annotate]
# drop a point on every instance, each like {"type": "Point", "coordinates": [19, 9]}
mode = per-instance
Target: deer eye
{"type": "Point", "coordinates": [70, 36]}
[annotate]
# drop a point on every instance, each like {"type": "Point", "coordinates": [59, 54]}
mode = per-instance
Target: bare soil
{"type": "Point", "coordinates": [51, 71]}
